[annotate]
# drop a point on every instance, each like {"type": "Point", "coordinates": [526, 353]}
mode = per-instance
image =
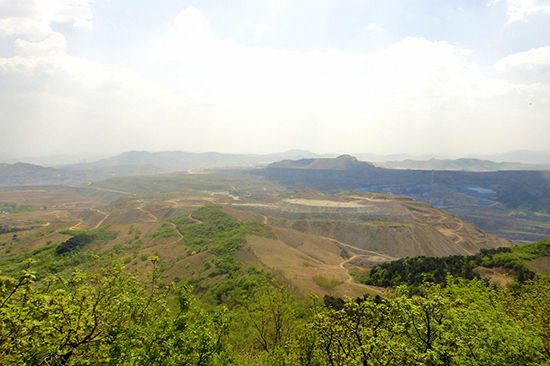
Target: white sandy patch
{"type": "Point", "coordinates": [253, 205]}
{"type": "Point", "coordinates": [324, 203]}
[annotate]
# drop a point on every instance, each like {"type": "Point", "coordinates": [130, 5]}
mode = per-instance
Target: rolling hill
{"type": "Point", "coordinates": [308, 233]}
{"type": "Point", "coordinates": [471, 165]}
{"type": "Point", "coordinates": [22, 174]}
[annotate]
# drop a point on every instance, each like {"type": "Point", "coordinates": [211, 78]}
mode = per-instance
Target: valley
{"type": "Point", "coordinates": [312, 232]}
{"type": "Point", "coordinates": [274, 183]}
{"type": "Point", "coordinates": [242, 254]}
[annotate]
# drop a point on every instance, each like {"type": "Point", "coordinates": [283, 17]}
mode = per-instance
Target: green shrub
{"type": "Point", "coordinates": [327, 284]}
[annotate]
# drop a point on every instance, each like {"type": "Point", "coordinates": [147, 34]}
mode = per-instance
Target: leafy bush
{"type": "Point", "coordinates": [11, 207]}
{"type": "Point", "coordinates": [165, 231]}
{"type": "Point", "coordinates": [82, 238]}
{"type": "Point", "coordinates": [215, 230]}
{"type": "Point", "coordinates": [106, 317]}
{"type": "Point", "coordinates": [417, 270]}
{"type": "Point", "coordinates": [326, 283]}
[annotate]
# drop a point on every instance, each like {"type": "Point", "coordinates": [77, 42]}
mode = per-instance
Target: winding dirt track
{"type": "Point", "coordinates": [148, 213]}
{"type": "Point", "coordinates": [341, 265]}
{"type": "Point", "coordinates": [350, 281]}
{"type": "Point", "coordinates": [74, 227]}
{"type": "Point", "coordinates": [102, 220]}
{"type": "Point", "coordinates": [180, 237]}
{"type": "Point", "coordinates": [366, 251]}
{"type": "Point", "coordinates": [339, 243]}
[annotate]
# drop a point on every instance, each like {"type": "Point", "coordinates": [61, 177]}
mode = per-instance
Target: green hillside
{"type": "Point", "coordinates": [108, 316]}
{"type": "Point", "coordinates": [191, 280]}
{"type": "Point", "coordinates": [418, 270]}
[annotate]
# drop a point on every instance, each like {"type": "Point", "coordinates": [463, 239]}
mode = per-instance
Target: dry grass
{"type": "Point", "coordinates": [497, 275]}
{"type": "Point", "coordinates": [323, 258]}
{"type": "Point", "coordinates": [540, 265]}
{"type": "Point", "coordinates": [309, 230]}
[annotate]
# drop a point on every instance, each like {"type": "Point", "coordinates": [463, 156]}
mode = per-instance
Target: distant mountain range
{"type": "Point", "coordinates": [21, 174]}
{"type": "Point", "coordinates": [472, 165]}
{"type": "Point", "coordinates": [342, 162]}
{"type": "Point", "coordinates": [527, 189]}
{"type": "Point", "coordinates": [141, 163]}
{"type": "Point", "coordinates": [170, 161]}
{"type": "Point", "coordinates": [134, 163]}
{"type": "Point", "coordinates": [541, 157]}
{"type": "Point", "coordinates": [520, 156]}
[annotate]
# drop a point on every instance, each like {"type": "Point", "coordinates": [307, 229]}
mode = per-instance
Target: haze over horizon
{"type": "Point", "coordinates": [101, 77]}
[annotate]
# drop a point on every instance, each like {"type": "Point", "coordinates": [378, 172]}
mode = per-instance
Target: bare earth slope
{"type": "Point", "coordinates": [390, 225]}
{"type": "Point", "coordinates": [317, 237]}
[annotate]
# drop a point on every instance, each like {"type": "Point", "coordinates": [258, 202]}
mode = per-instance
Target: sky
{"type": "Point", "coordinates": [456, 77]}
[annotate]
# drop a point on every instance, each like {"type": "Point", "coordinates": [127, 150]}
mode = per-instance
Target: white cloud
{"type": "Point", "coordinates": [262, 29]}
{"type": "Point", "coordinates": [536, 61]}
{"type": "Point", "coordinates": [22, 16]}
{"type": "Point", "coordinates": [522, 9]}
{"type": "Point", "coordinates": [197, 91]}
{"type": "Point", "coordinates": [191, 20]}
{"type": "Point", "coordinates": [373, 27]}
{"type": "Point", "coordinates": [403, 94]}
{"type": "Point", "coordinates": [27, 27]}
{"type": "Point", "coordinates": [37, 49]}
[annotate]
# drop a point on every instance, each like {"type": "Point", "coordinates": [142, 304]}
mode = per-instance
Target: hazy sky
{"type": "Point", "coordinates": [381, 76]}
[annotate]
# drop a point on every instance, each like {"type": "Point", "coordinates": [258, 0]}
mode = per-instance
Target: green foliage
{"type": "Point", "coordinates": [14, 208]}
{"type": "Point", "coordinates": [4, 229]}
{"type": "Point", "coordinates": [14, 264]}
{"type": "Point", "coordinates": [81, 238]}
{"type": "Point", "coordinates": [417, 270]}
{"type": "Point", "coordinates": [50, 259]}
{"type": "Point", "coordinates": [273, 315]}
{"type": "Point", "coordinates": [533, 250]}
{"type": "Point", "coordinates": [165, 231]}
{"type": "Point", "coordinates": [327, 284]}
{"type": "Point", "coordinates": [237, 289]}
{"type": "Point", "coordinates": [464, 323]}
{"type": "Point", "coordinates": [183, 220]}
{"type": "Point", "coordinates": [106, 317]}
{"type": "Point", "coordinates": [210, 229]}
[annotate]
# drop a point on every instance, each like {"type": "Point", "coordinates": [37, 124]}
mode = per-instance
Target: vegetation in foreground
{"type": "Point", "coordinates": [81, 306]}
{"type": "Point", "coordinates": [110, 317]}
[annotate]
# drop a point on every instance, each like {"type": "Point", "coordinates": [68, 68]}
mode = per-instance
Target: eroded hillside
{"type": "Point", "coordinates": [308, 239]}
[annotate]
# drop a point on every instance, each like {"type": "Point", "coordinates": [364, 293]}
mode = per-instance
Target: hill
{"type": "Point", "coordinates": [521, 263]}
{"type": "Point", "coordinates": [515, 189]}
{"type": "Point", "coordinates": [173, 161]}
{"type": "Point", "coordinates": [342, 162]}
{"type": "Point", "coordinates": [522, 156]}
{"type": "Point", "coordinates": [311, 234]}
{"type": "Point", "coordinates": [472, 165]}
{"type": "Point", "coordinates": [514, 204]}
{"type": "Point", "coordinates": [29, 174]}
{"type": "Point", "coordinates": [223, 272]}
{"type": "Point", "coordinates": [21, 174]}
{"type": "Point", "coordinates": [134, 163]}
